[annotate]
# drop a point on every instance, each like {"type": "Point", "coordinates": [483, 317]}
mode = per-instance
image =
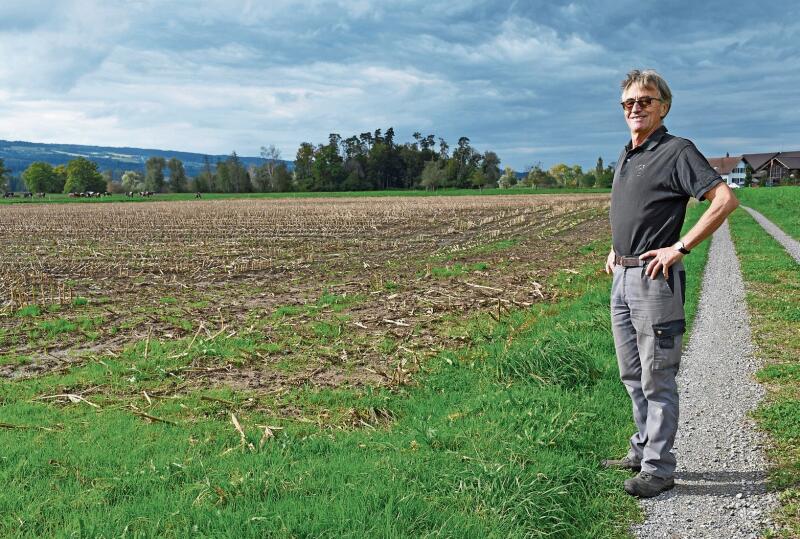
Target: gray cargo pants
{"type": "Point", "coordinates": [648, 323]}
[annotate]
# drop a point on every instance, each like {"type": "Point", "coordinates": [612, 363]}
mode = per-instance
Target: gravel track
{"type": "Point", "coordinates": [791, 245]}
{"type": "Point", "coordinates": [720, 483]}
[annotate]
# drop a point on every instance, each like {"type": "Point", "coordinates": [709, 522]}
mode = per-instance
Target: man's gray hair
{"type": "Point", "coordinates": [651, 79]}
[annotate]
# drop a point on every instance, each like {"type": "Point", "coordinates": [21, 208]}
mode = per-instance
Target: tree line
{"type": "Point", "coordinates": [368, 161]}
{"type": "Point", "coordinates": [562, 175]}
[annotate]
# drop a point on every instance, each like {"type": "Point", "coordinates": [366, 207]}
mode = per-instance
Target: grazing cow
{"type": "Point", "coordinates": [9, 195]}
{"type": "Point", "coordinates": [106, 194]}
{"type": "Point", "coordinates": [27, 195]}
{"type": "Point", "coordinates": [40, 195]}
{"type": "Point", "coordinates": [198, 195]}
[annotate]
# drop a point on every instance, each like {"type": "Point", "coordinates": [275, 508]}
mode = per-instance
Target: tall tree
{"type": "Point", "coordinates": [478, 179]}
{"type": "Point", "coordinates": [82, 175]}
{"type": "Point", "coordinates": [443, 149]}
{"type": "Point", "coordinates": [565, 175]}
{"type": "Point", "coordinates": [466, 160]}
{"type": "Point", "coordinates": [132, 181]}
{"type": "Point", "coordinates": [154, 174]}
{"type": "Point", "coordinates": [598, 169]}
{"type": "Point", "coordinates": [303, 163]}
{"type": "Point", "coordinates": [605, 178]}
{"type": "Point", "coordinates": [177, 175]}
{"type": "Point", "coordinates": [328, 170]}
{"type": "Point", "coordinates": [490, 166]}
{"type": "Point", "coordinates": [204, 182]}
{"type": "Point", "coordinates": [264, 176]}
{"type": "Point", "coordinates": [508, 179]}
{"type": "Point", "coordinates": [538, 177]}
{"type": "Point", "coordinates": [587, 180]}
{"type": "Point", "coordinates": [61, 176]}
{"type": "Point", "coordinates": [238, 176]}
{"type": "Point", "coordinates": [40, 177]}
{"type": "Point", "coordinates": [4, 175]}
{"type": "Point", "coordinates": [282, 179]}
{"type": "Point", "coordinates": [433, 175]}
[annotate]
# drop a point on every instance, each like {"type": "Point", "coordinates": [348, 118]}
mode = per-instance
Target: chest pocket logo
{"type": "Point", "coordinates": [640, 169]}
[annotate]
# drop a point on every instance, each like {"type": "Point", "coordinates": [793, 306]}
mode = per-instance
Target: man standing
{"type": "Point", "coordinates": [656, 175]}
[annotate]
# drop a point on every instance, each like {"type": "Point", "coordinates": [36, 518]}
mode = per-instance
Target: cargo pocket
{"type": "Point", "coordinates": [668, 339]}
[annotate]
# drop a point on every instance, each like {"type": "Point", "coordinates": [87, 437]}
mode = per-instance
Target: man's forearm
{"type": "Point", "coordinates": [721, 206]}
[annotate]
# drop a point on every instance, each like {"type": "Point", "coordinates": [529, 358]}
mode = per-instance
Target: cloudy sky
{"type": "Point", "coordinates": [535, 81]}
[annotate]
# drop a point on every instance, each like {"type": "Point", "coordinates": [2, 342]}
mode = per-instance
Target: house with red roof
{"type": "Point", "coordinates": [732, 169]}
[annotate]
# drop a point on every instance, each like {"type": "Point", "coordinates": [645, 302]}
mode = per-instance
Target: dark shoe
{"type": "Point", "coordinates": [626, 463]}
{"type": "Point", "coordinates": [646, 485]}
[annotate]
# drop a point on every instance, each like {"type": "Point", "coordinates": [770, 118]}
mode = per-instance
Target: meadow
{"type": "Point", "coordinates": [351, 367]}
{"type": "Point", "coordinates": [772, 282]}
{"type": "Point", "coordinates": [778, 204]}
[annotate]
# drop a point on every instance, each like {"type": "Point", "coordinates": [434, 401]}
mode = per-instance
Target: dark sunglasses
{"type": "Point", "coordinates": [644, 102]}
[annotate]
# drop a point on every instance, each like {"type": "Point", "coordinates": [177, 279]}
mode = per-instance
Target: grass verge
{"type": "Point", "coordinates": [501, 438]}
{"type": "Point", "coordinates": [772, 281]}
{"type": "Point", "coordinates": [778, 204]}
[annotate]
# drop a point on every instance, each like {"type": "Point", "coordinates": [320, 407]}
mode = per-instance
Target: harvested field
{"type": "Point", "coordinates": [276, 293]}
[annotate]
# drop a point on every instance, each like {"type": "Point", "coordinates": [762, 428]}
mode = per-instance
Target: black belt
{"type": "Point", "coordinates": [630, 261]}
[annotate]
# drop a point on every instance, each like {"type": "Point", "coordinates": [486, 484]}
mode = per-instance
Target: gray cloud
{"type": "Point", "coordinates": [535, 81]}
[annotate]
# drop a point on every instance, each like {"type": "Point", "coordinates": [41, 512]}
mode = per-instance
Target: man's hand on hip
{"type": "Point", "coordinates": [610, 262]}
{"type": "Point", "coordinates": [662, 259]}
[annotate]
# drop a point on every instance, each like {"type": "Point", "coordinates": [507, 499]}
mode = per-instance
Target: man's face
{"type": "Point", "coordinates": [643, 120]}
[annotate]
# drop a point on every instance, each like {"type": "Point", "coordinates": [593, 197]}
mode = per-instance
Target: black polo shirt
{"type": "Point", "coordinates": [652, 184]}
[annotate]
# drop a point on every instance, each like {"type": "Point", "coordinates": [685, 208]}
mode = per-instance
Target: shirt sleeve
{"type": "Point", "coordinates": [695, 176]}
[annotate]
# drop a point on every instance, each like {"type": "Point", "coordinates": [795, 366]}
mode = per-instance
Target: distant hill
{"type": "Point", "coordinates": [18, 155]}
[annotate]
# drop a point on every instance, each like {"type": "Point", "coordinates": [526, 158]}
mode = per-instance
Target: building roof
{"type": "Point", "coordinates": [758, 160]}
{"type": "Point", "coordinates": [790, 162]}
{"type": "Point", "coordinates": [724, 165]}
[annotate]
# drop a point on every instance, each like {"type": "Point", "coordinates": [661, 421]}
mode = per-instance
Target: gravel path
{"type": "Point", "coordinates": [791, 245]}
{"type": "Point", "coordinates": [720, 481]}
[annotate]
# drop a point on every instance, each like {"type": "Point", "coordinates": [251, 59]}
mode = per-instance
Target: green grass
{"type": "Point", "coordinates": [52, 328]}
{"type": "Point", "coordinates": [455, 270]}
{"type": "Point", "coordinates": [29, 311]}
{"type": "Point", "coordinates": [501, 438]}
{"type": "Point", "coordinates": [778, 204]}
{"type": "Point", "coordinates": [14, 359]}
{"type": "Point", "coordinates": [772, 281]}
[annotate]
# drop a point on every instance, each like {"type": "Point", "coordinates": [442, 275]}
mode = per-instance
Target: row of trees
{"type": "Point", "coordinates": [566, 176]}
{"type": "Point", "coordinates": [376, 161]}
{"type": "Point", "coordinates": [77, 176]}
{"type": "Point", "coordinates": [226, 176]}
{"type": "Point", "coordinates": [154, 179]}
{"type": "Point", "coordinates": [364, 162]}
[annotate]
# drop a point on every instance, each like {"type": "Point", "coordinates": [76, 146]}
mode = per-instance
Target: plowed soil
{"type": "Point", "coordinates": [332, 291]}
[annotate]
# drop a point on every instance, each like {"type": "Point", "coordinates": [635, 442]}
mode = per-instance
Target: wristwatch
{"type": "Point", "coordinates": [681, 248]}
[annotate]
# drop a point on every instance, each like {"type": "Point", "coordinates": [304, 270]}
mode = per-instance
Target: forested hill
{"type": "Point", "coordinates": [19, 155]}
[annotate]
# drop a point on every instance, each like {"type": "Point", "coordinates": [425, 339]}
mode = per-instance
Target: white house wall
{"type": "Point", "coordinates": [737, 175]}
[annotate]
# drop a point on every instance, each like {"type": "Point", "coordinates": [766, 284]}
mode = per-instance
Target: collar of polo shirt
{"type": "Point", "coordinates": [652, 141]}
